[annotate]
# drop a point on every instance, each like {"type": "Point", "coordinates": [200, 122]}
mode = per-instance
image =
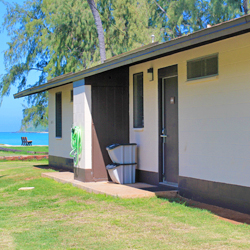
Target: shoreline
{"type": "Point", "coordinates": [20, 132]}
{"type": "Point", "coordinates": [8, 145]}
{"type": "Point", "coordinates": [14, 138]}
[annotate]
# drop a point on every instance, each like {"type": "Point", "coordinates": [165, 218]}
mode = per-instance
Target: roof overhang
{"type": "Point", "coordinates": [215, 33]}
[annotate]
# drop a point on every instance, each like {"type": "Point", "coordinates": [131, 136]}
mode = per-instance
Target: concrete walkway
{"type": "Point", "coordinates": [110, 188]}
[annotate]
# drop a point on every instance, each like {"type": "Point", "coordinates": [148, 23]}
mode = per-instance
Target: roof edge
{"type": "Point", "coordinates": [149, 51]}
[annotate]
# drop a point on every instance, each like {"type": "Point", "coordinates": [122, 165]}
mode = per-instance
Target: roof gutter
{"type": "Point", "coordinates": [225, 29]}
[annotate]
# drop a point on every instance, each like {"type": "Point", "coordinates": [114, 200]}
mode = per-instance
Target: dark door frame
{"type": "Point", "coordinates": [162, 73]}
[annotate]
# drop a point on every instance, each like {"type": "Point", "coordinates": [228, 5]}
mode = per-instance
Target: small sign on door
{"type": "Point", "coordinates": [172, 101]}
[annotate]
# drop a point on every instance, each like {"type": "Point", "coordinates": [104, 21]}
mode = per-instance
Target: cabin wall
{"type": "Point", "coordinates": [214, 122]}
{"type": "Point", "coordinates": [214, 116]}
{"type": "Point", "coordinates": [83, 119]}
{"type": "Point", "coordinates": [59, 148]}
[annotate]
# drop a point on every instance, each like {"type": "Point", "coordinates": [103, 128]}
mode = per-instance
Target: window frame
{"type": "Point", "coordinates": [58, 117]}
{"type": "Point", "coordinates": [205, 68]}
{"type": "Point", "coordinates": [138, 102]}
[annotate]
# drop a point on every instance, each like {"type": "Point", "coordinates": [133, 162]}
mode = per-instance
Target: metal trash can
{"type": "Point", "coordinates": [124, 159]}
{"type": "Point", "coordinates": [122, 174]}
{"type": "Point", "coordinates": [122, 153]}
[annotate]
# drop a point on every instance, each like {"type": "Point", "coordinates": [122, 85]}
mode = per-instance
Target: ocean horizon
{"type": "Point", "coordinates": [14, 138]}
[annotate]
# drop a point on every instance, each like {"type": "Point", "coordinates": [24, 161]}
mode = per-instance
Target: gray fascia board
{"type": "Point", "coordinates": [199, 37]}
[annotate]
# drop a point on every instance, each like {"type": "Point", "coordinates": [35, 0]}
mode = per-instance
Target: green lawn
{"type": "Point", "coordinates": [60, 216]}
{"type": "Point", "coordinates": [37, 149]}
{"type": "Point", "coordinates": [4, 153]}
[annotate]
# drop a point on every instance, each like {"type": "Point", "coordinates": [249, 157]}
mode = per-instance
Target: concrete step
{"type": "Point", "coordinates": [136, 190]}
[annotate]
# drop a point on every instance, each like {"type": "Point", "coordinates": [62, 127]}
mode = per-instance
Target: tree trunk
{"type": "Point", "coordinates": [245, 7]}
{"type": "Point", "coordinates": [99, 28]}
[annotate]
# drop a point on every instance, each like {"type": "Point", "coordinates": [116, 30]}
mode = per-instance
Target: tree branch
{"type": "Point", "coordinates": [161, 9]}
{"type": "Point", "coordinates": [36, 69]}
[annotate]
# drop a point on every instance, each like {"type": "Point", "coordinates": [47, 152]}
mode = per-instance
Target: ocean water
{"type": "Point", "coordinates": [12, 138]}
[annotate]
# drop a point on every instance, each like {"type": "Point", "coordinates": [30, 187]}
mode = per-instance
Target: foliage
{"type": "Point", "coordinates": [186, 16]}
{"type": "Point", "coordinates": [128, 24]}
{"type": "Point", "coordinates": [38, 112]}
{"type": "Point", "coordinates": [25, 27]}
{"type": "Point", "coordinates": [72, 37]}
{"type": "Point", "coordinates": [55, 37]}
{"type": "Point", "coordinates": [29, 127]}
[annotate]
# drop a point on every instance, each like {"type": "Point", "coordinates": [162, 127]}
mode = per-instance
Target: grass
{"type": "Point", "coordinates": [24, 150]}
{"type": "Point", "coordinates": [60, 216]}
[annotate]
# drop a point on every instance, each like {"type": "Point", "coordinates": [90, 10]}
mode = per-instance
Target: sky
{"type": "Point", "coordinates": [11, 109]}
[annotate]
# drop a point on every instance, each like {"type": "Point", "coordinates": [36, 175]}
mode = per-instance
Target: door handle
{"type": "Point", "coordinates": [163, 133]}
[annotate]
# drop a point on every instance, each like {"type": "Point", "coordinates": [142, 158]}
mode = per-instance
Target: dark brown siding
{"type": "Point", "coordinates": [147, 177]}
{"type": "Point", "coordinates": [110, 114]}
{"type": "Point", "coordinates": [61, 163]}
{"type": "Point", "coordinates": [230, 196]}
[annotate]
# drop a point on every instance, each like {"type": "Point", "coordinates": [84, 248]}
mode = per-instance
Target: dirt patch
{"type": "Point", "coordinates": [7, 241]}
{"type": "Point", "coordinates": [24, 157]}
{"type": "Point", "coordinates": [31, 178]}
{"type": "Point", "coordinates": [219, 212]}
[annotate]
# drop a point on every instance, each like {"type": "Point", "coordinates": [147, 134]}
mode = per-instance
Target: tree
{"type": "Point", "coordinates": [55, 37]}
{"type": "Point", "coordinates": [245, 7]}
{"type": "Point", "coordinates": [51, 37]}
{"type": "Point", "coordinates": [99, 28]}
{"type": "Point", "coordinates": [25, 53]}
{"type": "Point", "coordinates": [185, 16]}
{"type": "Point", "coordinates": [128, 24]}
{"type": "Point", "coordinates": [72, 40]}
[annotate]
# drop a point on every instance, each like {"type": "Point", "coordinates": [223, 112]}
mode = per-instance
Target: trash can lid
{"type": "Point", "coordinates": [112, 166]}
{"type": "Point", "coordinates": [112, 146]}
{"type": "Point", "coordinates": [118, 145]}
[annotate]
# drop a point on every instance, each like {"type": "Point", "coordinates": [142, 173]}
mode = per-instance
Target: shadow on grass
{"type": "Point", "coordinates": [3, 176]}
{"type": "Point", "coordinates": [222, 213]}
{"type": "Point", "coordinates": [46, 166]}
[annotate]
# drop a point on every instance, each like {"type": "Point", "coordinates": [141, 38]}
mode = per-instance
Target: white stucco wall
{"type": "Point", "coordinates": [83, 119]}
{"type": "Point", "coordinates": [214, 115]}
{"type": "Point", "coordinates": [60, 147]}
{"type": "Point", "coordinates": [147, 137]}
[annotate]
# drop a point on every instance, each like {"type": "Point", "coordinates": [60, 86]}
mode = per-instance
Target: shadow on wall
{"type": "Point", "coordinates": [50, 167]}
{"type": "Point", "coordinates": [110, 115]}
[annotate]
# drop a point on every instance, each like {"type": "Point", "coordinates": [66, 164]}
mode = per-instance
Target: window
{"type": "Point", "coordinates": [138, 100]}
{"type": "Point", "coordinates": [202, 67]}
{"type": "Point", "coordinates": [71, 95]}
{"type": "Point", "coordinates": [59, 114]}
